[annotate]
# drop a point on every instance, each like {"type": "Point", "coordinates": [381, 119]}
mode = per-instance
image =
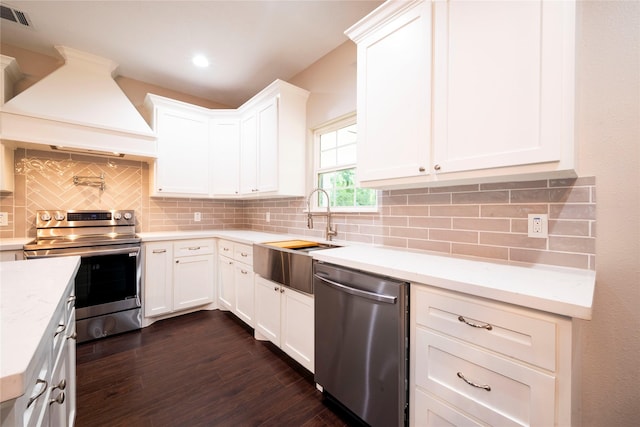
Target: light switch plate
{"type": "Point", "coordinates": [4, 219]}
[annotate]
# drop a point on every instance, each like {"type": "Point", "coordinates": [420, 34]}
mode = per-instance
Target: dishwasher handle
{"type": "Point", "coordinates": [389, 299]}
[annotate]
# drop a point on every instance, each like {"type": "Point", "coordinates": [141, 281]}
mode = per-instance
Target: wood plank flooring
{"type": "Point", "coordinates": [200, 369]}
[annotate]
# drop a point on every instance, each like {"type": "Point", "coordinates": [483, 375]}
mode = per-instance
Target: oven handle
{"type": "Point", "coordinates": [83, 252]}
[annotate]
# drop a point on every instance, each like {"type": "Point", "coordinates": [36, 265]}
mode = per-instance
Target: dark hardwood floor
{"type": "Point", "coordinates": [200, 369]}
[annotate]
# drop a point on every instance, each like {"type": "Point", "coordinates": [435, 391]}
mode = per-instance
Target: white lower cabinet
{"type": "Point", "coordinates": [50, 382]}
{"type": "Point", "coordinates": [236, 279]}
{"type": "Point", "coordinates": [480, 362]}
{"type": "Point", "coordinates": [10, 255]}
{"type": "Point", "coordinates": [179, 275]}
{"type": "Point", "coordinates": [286, 318]}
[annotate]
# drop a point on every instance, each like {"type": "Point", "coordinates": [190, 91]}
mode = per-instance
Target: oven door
{"type": "Point", "coordinates": [108, 280]}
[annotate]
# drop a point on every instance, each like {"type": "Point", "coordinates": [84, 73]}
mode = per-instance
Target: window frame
{"type": "Point", "coordinates": [334, 125]}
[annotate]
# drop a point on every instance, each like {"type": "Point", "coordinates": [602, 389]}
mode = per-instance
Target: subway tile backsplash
{"type": "Point", "coordinates": [486, 220]}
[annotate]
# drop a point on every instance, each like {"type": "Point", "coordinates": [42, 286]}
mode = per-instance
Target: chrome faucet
{"type": "Point", "coordinates": [330, 231]}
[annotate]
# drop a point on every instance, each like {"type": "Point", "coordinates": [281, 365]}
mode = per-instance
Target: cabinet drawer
{"type": "Point", "coordinates": [514, 332]}
{"type": "Point", "coordinates": [37, 391]}
{"type": "Point", "coordinates": [225, 248]}
{"type": "Point", "coordinates": [431, 412]}
{"type": "Point", "coordinates": [243, 253]}
{"type": "Point", "coordinates": [503, 392]}
{"type": "Point", "coordinates": [193, 247]}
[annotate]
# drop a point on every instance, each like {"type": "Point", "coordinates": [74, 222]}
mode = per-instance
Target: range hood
{"type": "Point", "coordinates": [80, 108]}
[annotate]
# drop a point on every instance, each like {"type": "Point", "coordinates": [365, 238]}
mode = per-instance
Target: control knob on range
{"type": "Point", "coordinates": [127, 215]}
{"type": "Point", "coordinates": [58, 216]}
{"type": "Point", "coordinates": [45, 216]}
{"type": "Point", "coordinates": [117, 215]}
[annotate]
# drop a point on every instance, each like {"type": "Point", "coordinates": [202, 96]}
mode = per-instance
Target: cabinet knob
{"type": "Point", "coordinates": [282, 290]}
{"type": "Point", "coordinates": [159, 189]}
{"type": "Point", "coordinates": [421, 169]}
{"type": "Point", "coordinates": [275, 288]}
{"type": "Point", "coordinates": [59, 399]}
{"type": "Point", "coordinates": [61, 385]}
{"type": "Point", "coordinates": [436, 167]}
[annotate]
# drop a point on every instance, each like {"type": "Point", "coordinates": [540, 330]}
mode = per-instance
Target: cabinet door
{"type": "Point", "coordinates": [226, 283]}
{"type": "Point", "coordinates": [249, 154]}
{"type": "Point", "coordinates": [394, 97]}
{"type": "Point", "coordinates": [158, 278]}
{"type": "Point", "coordinates": [267, 173]}
{"type": "Point", "coordinates": [499, 83]}
{"type": "Point", "coordinates": [192, 281]}
{"type": "Point", "coordinates": [268, 309]}
{"type": "Point", "coordinates": [225, 157]}
{"type": "Point", "coordinates": [245, 290]}
{"type": "Point", "coordinates": [183, 153]}
{"type": "Point", "coordinates": [298, 327]}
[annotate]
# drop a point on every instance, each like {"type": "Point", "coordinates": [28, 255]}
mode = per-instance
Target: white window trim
{"type": "Point", "coordinates": [338, 123]}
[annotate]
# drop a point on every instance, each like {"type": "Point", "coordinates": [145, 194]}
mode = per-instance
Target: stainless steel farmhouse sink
{"type": "Point", "coordinates": [287, 262]}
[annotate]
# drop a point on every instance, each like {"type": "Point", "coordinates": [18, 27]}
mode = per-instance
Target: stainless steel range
{"type": "Point", "coordinates": [107, 285]}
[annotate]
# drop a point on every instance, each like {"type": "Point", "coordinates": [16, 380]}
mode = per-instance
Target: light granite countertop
{"type": "Point", "coordinates": [30, 292]}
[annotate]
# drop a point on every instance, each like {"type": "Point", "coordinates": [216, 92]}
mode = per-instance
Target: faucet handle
{"type": "Point", "coordinates": [331, 231]}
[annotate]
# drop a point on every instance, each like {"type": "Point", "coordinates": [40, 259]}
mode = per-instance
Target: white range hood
{"type": "Point", "coordinates": [78, 107]}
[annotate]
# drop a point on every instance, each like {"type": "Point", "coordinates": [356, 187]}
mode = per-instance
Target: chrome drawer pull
{"type": "Point", "coordinates": [471, 383]}
{"type": "Point", "coordinates": [488, 327]}
{"type": "Point", "coordinates": [159, 251]}
{"type": "Point", "coordinates": [194, 248]}
{"type": "Point", "coordinates": [40, 393]}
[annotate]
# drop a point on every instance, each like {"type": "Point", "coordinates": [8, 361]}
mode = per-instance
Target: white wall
{"type": "Point", "coordinates": [608, 129]}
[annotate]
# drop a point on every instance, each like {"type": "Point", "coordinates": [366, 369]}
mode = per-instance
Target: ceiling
{"type": "Point", "coordinates": [248, 43]}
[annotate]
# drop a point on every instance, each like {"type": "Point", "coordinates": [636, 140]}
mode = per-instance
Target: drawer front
{"type": "Point", "coordinates": [431, 412]}
{"type": "Point", "coordinates": [193, 247]}
{"type": "Point", "coordinates": [37, 392]}
{"type": "Point", "coordinates": [243, 253]}
{"type": "Point", "coordinates": [522, 334]}
{"type": "Point", "coordinates": [493, 389]}
{"type": "Point", "coordinates": [225, 248]}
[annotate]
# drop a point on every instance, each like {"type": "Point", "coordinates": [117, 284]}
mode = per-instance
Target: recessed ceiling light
{"type": "Point", "coordinates": [200, 61]}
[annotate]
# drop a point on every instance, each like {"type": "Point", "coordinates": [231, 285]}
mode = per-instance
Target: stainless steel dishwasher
{"type": "Point", "coordinates": [361, 343]}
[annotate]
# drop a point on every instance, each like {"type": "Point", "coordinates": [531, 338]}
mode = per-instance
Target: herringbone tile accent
{"type": "Point", "coordinates": [49, 183]}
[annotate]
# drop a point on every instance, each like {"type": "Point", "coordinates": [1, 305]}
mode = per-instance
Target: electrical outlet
{"type": "Point", "coordinates": [268, 217]}
{"type": "Point", "coordinates": [197, 216]}
{"type": "Point", "coordinates": [538, 226]}
{"type": "Point", "coordinates": [4, 219]}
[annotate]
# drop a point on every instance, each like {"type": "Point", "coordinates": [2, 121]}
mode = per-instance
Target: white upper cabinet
{"type": "Point", "coordinates": [255, 150]}
{"type": "Point", "coordinates": [182, 166]}
{"type": "Point", "coordinates": [259, 149]}
{"type": "Point", "coordinates": [273, 138]}
{"type": "Point", "coordinates": [394, 91]}
{"type": "Point", "coordinates": [465, 91]}
{"type": "Point", "coordinates": [225, 156]}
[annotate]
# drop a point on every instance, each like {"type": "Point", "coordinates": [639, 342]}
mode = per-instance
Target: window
{"type": "Point", "coordinates": [335, 168]}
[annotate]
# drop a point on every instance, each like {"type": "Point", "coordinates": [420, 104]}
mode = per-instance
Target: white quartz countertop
{"type": "Point", "coordinates": [241, 236]}
{"type": "Point", "coordinates": [30, 292]}
{"type": "Point", "coordinates": [564, 291]}
{"type": "Point", "coordinates": [14, 243]}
